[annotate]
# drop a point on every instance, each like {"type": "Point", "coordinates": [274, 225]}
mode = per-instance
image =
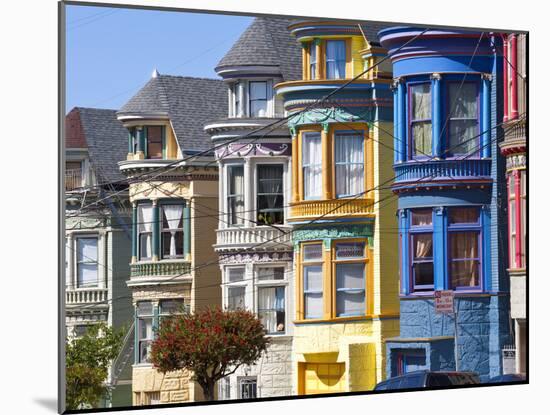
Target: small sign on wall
{"type": "Point", "coordinates": [444, 302]}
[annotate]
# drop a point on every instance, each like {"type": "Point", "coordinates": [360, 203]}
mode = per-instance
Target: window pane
{"type": "Point", "coordinates": [463, 215]}
{"type": "Point", "coordinates": [258, 108]}
{"type": "Point", "coordinates": [336, 59]}
{"type": "Point", "coordinates": [235, 196]}
{"type": "Point", "coordinates": [464, 258]}
{"type": "Point", "coordinates": [87, 275]}
{"type": "Point", "coordinates": [171, 306]}
{"type": "Point", "coordinates": [422, 246]}
{"type": "Point", "coordinates": [258, 99]}
{"type": "Point", "coordinates": [463, 137]}
{"type": "Point", "coordinates": [313, 306]}
{"type": "Point", "coordinates": [235, 274]}
{"type": "Point", "coordinates": [350, 303]}
{"type": "Point", "coordinates": [172, 244]}
{"type": "Point", "coordinates": [258, 90]}
{"type": "Point", "coordinates": [313, 252]}
{"type": "Point", "coordinates": [270, 194]}
{"type": "Point", "coordinates": [154, 142]}
{"type": "Point", "coordinates": [463, 100]}
{"type": "Point", "coordinates": [464, 245]}
{"type": "Point", "coordinates": [271, 308]}
{"type": "Point", "coordinates": [423, 275]}
{"type": "Point", "coordinates": [312, 60]}
{"type": "Point", "coordinates": [349, 164]}
{"type": "Point", "coordinates": [421, 217]}
{"type": "Point", "coordinates": [235, 298]}
{"type": "Point", "coordinates": [350, 250]}
{"type": "Point", "coordinates": [87, 249]}
{"type": "Point", "coordinates": [465, 274]}
{"type": "Point", "coordinates": [422, 138]}
{"type": "Point", "coordinates": [145, 248]}
{"type": "Point", "coordinates": [350, 287]}
{"type": "Point", "coordinates": [313, 278]}
{"type": "Point", "coordinates": [271, 273]}
{"type": "Point", "coordinates": [144, 308]}
{"type": "Point", "coordinates": [421, 100]}
{"type": "Point", "coordinates": [512, 185]}
{"type": "Point", "coordinates": [311, 162]}
{"type": "Point", "coordinates": [248, 388]}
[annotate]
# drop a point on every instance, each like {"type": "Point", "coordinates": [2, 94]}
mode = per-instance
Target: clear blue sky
{"type": "Point", "coordinates": [111, 52]}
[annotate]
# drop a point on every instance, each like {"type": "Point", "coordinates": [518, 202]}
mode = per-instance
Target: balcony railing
{"type": "Point", "coordinates": [73, 179]}
{"type": "Point", "coordinates": [86, 296]}
{"type": "Point", "coordinates": [160, 269]}
{"type": "Point", "coordinates": [333, 207]}
{"type": "Point", "coordinates": [246, 237]}
{"type": "Point", "coordinates": [429, 171]}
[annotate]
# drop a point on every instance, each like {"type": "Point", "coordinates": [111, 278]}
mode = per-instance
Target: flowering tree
{"type": "Point", "coordinates": [211, 344]}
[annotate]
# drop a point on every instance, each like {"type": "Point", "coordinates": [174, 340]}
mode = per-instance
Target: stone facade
{"type": "Point", "coordinates": [150, 386]}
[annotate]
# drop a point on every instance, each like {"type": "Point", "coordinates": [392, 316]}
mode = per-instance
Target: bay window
{"type": "Point", "coordinates": [311, 165]}
{"type": "Point", "coordinates": [517, 211]}
{"type": "Point", "coordinates": [349, 163]}
{"type": "Point", "coordinates": [257, 98]}
{"type": "Point", "coordinates": [464, 247]}
{"type": "Point", "coordinates": [422, 261]}
{"type": "Point", "coordinates": [172, 231]}
{"type": "Point", "coordinates": [270, 194]}
{"type": "Point", "coordinates": [336, 59]}
{"type": "Point", "coordinates": [144, 330]}
{"type": "Point", "coordinates": [420, 129]}
{"type": "Point", "coordinates": [86, 261]}
{"type": "Point", "coordinates": [145, 232]}
{"type": "Point", "coordinates": [235, 195]}
{"type": "Point", "coordinates": [312, 271]}
{"type": "Point", "coordinates": [463, 127]}
{"type": "Point", "coordinates": [350, 278]}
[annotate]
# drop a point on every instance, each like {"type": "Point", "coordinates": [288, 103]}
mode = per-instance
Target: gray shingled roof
{"type": "Point", "coordinates": [371, 30]}
{"type": "Point", "coordinates": [267, 41]}
{"type": "Point", "coordinates": [107, 141]}
{"type": "Point", "coordinates": [189, 103]}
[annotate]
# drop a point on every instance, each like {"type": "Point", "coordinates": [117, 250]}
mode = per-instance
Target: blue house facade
{"type": "Point", "coordinates": [449, 177]}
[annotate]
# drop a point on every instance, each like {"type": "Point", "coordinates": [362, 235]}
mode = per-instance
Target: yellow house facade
{"type": "Point", "coordinates": [341, 208]}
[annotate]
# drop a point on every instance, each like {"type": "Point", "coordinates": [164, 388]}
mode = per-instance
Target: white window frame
{"type": "Point", "coordinates": [76, 263]}
{"type": "Point", "coordinates": [271, 284]}
{"type": "Point", "coordinates": [248, 380]}
{"type": "Point", "coordinates": [244, 283]}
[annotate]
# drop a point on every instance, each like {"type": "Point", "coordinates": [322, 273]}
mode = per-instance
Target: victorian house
{"type": "Point", "coordinates": [97, 234]}
{"type": "Point", "coordinates": [253, 236]}
{"type": "Point", "coordinates": [514, 148]}
{"type": "Point", "coordinates": [174, 195]}
{"type": "Point", "coordinates": [447, 112]}
{"type": "Point", "coordinates": [341, 208]}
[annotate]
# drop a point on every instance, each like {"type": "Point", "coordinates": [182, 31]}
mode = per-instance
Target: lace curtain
{"type": "Point", "coordinates": [464, 259]}
{"type": "Point", "coordinates": [349, 165]}
{"type": "Point", "coordinates": [463, 122]}
{"type": "Point", "coordinates": [422, 110]}
{"type": "Point", "coordinates": [173, 215]}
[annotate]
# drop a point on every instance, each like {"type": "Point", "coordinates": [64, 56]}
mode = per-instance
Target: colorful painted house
{"type": "Point", "coordinates": [97, 235]}
{"type": "Point", "coordinates": [448, 177]}
{"type": "Point", "coordinates": [174, 196]}
{"type": "Point", "coordinates": [341, 208]}
{"type": "Point", "coordinates": [253, 236]}
{"type": "Point", "coordinates": [514, 148]}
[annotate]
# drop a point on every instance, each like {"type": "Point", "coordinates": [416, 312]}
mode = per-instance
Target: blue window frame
{"type": "Point", "coordinates": [311, 165]}
{"type": "Point", "coordinates": [349, 163]}
{"type": "Point", "coordinates": [336, 59]}
{"type": "Point", "coordinates": [420, 120]}
{"type": "Point", "coordinates": [421, 250]}
{"type": "Point", "coordinates": [463, 119]}
{"type": "Point", "coordinates": [464, 248]}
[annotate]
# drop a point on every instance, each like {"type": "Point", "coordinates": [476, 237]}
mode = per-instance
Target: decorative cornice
{"type": "Point", "coordinates": [330, 115]}
{"type": "Point", "coordinates": [246, 258]}
{"type": "Point", "coordinates": [253, 149]}
{"type": "Point", "coordinates": [516, 161]}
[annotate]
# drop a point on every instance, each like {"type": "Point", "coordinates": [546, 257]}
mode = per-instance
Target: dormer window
{"type": "Point", "coordinates": [154, 142]}
{"type": "Point", "coordinates": [148, 140]}
{"type": "Point", "coordinates": [252, 99]}
{"type": "Point", "coordinates": [326, 59]}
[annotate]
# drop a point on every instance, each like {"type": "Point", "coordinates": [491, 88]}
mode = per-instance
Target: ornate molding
{"type": "Point", "coordinates": [159, 190]}
{"type": "Point", "coordinates": [329, 115]}
{"type": "Point", "coordinates": [238, 150]}
{"type": "Point", "coordinates": [487, 77]}
{"type": "Point", "coordinates": [435, 76]}
{"type": "Point", "coordinates": [516, 161]}
{"type": "Point", "coordinates": [334, 232]}
{"type": "Point", "coordinates": [247, 258]}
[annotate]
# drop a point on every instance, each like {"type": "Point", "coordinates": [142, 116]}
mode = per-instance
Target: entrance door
{"type": "Point", "coordinates": [323, 378]}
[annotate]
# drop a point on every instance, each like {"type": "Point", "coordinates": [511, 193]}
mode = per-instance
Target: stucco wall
{"type": "Point", "coordinates": [173, 386]}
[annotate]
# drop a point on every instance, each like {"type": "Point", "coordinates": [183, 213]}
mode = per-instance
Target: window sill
{"type": "Point", "coordinates": [337, 319]}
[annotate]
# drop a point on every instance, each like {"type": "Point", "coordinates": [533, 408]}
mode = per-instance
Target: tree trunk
{"type": "Point", "coordinates": [208, 389]}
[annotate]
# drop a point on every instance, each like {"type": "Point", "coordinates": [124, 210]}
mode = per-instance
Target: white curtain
{"type": "Point", "coordinates": [258, 99]}
{"type": "Point", "coordinates": [422, 218]}
{"type": "Point", "coordinates": [313, 282]}
{"type": "Point", "coordinates": [422, 245]}
{"type": "Point", "coordinates": [422, 110]}
{"type": "Point", "coordinates": [235, 297]}
{"type": "Point", "coordinates": [236, 195]}
{"type": "Point", "coordinates": [145, 219]}
{"type": "Point", "coordinates": [350, 286]}
{"type": "Point", "coordinates": [464, 247]}
{"type": "Point", "coordinates": [173, 214]}
{"type": "Point", "coordinates": [336, 59]}
{"type": "Point", "coordinates": [312, 60]}
{"type": "Point", "coordinates": [267, 306]}
{"type": "Point", "coordinates": [349, 165]}
{"type": "Point", "coordinates": [87, 262]}
{"type": "Point", "coordinates": [311, 160]}
{"type": "Point", "coordinates": [463, 122]}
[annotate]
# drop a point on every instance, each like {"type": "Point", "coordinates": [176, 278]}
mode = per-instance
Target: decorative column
{"type": "Point", "coordinates": [131, 136]}
{"type": "Point", "coordinates": [486, 115]}
{"type": "Point", "coordinates": [295, 165]}
{"type": "Point", "coordinates": [134, 232]}
{"type": "Point", "coordinates": [513, 76]}
{"type": "Point", "coordinates": [187, 231]}
{"type": "Point", "coordinates": [404, 250]}
{"type": "Point", "coordinates": [505, 66]}
{"type": "Point", "coordinates": [319, 67]}
{"type": "Point", "coordinates": [69, 278]}
{"type": "Point", "coordinates": [248, 214]}
{"type": "Point", "coordinates": [140, 134]}
{"type": "Point", "coordinates": [156, 230]}
{"type": "Point", "coordinates": [136, 333]}
{"type": "Point", "coordinates": [519, 230]}
{"type": "Point", "coordinates": [401, 120]}
{"type": "Point", "coordinates": [395, 123]}
{"type": "Point", "coordinates": [242, 103]}
{"type": "Point", "coordinates": [305, 59]}
{"type": "Point", "coordinates": [439, 248]}
{"type": "Point", "coordinates": [327, 170]}
{"type": "Point", "coordinates": [436, 116]}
